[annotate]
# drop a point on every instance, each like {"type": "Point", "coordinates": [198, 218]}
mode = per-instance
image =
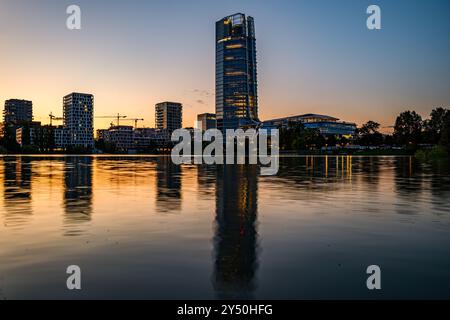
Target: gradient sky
{"type": "Point", "coordinates": [313, 56]}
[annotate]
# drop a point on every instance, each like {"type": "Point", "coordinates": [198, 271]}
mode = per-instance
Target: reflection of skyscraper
{"type": "Point", "coordinates": [168, 179]}
{"type": "Point", "coordinates": [77, 193]}
{"type": "Point", "coordinates": [206, 181]}
{"type": "Point", "coordinates": [236, 83]}
{"type": "Point", "coordinates": [236, 238]}
{"type": "Point", "coordinates": [17, 173]}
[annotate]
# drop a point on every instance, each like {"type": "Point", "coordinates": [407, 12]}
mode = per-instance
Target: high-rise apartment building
{"type": "Point", "coordinates": [18, 111]}
{"type": "Point", "coordinates": [78, 114]}
{"type": "Point", "coordinates": [168, 116]}
{"type": "Point", "coordinates": [236, 77]}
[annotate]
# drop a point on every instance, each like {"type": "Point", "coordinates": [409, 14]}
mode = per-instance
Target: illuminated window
{"type": "Point", "coordinates": [234, 46]}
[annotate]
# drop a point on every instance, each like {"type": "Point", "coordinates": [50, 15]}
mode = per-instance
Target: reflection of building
{"type": "Point", "coordinates": [326, 124]}
{"type": "Point", "coordinates": [236, 78]}
{"type": "Point", "coordinates": [79, 119]}
{"type": "Point", "coordinates": [168, 188]}
{"type": "Point", "coordinates": [206, 181]}
{"type": "Point", "coordinates": [18, 111]}
{"type": "Point", "coordinates": [168, 116]}
{"type": "Point", "coordinates": [17, 172]}
{"type": "Point", "coordinates": [77, 193]}
{"type": "Point", "coordinates": [235, 242]}
{"type": "Point", "coordinates": [207, 121]}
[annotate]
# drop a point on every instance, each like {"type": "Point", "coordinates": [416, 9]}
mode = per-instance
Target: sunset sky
{"type": "Point", "coordinates": [313, 56]}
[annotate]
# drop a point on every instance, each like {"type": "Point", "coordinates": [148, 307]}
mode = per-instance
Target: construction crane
{"type": "Point", "coordinates": [117, 117]}
{"type": "Point", "coordinates": [52, 117]}
{"type": "Point", "coordinates": [135, 121]}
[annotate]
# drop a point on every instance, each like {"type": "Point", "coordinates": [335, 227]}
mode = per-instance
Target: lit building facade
{"type": "Point", "coordinates": [236, 76]}
{"type": "Point", "coordinates": [325, 124]}
{"type": "Point", "coordinates": [78, 114]}
{"type": "Point", "coordinates": [168, 116]}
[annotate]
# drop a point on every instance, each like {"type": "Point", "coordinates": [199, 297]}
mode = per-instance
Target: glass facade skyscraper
{"type": "Point", "coordinates": [236, 76]}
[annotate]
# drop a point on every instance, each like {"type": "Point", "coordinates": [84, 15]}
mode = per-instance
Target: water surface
{"type": "Point", "coordinates": [141, 227]}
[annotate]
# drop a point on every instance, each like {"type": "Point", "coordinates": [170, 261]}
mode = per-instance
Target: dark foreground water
{"type": "Point", "coordinates": [140, 227]}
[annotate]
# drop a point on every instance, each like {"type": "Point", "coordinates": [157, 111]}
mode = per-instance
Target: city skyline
{"type": "Point", "coordinates": [303, 64]}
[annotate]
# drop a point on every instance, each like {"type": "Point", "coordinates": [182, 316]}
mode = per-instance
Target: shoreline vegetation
{"type": "Point", "coordinates": [427, 140]}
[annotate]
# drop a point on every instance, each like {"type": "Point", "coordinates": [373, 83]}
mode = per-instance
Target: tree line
{"type": "Point", "coordinates": [410, 130]}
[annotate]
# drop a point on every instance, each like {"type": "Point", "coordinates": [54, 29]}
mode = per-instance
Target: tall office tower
{"type": "Point", "coordinates": [17, 111]}
{"type": "Point", "coordinates": [78, 114]}
{"type": "Point", "coordinates": [236, 77]}
{"type": "Point", "coordinates": [168, 116]}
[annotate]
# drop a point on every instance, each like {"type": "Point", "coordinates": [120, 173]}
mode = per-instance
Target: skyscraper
{"type": "Point", "coordinates": [168, 116]}
{"type": "Point", "coordinates": [236, 76]}
{"type": "Point", "coordinates": [17, 111]}
{"type": "Point", "coordinates": [78, 114]}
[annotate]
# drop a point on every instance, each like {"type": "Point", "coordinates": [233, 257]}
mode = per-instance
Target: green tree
{"type": "Point", "coordinates": [408, 128]}
{"type": "Point", "coordinates": [445, 133]}
{"type": "Point", "coordinates": [331, 140]}
{"type": "Point", "coordinates": [313, 139]}
{"type": "Point", "coordinates": [432, 127]}
{"type": "Point", "coordinates": [296, 137]}
{"type": "Point", "coordinates": [368, 134]}
{"type": "Point", "coordinates": [8, 141]}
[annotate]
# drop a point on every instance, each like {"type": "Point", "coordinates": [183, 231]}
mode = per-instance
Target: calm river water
{"type": "Point", "coordinates": [140, 227]}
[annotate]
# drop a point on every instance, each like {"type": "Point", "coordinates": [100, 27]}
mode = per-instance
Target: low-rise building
{"type": "Point", "coordinates": [61, 137]}
{"type": "Point", "coordinates": [121, 137]}
{"type": "Point", "coordinates": [325, 124]}
{"type": "Point", "coordinates": [29, 134]}
{"type": "Point", "coordinates": [144, 138]}
{"type": "Point", "coordinates": [34, 134]}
